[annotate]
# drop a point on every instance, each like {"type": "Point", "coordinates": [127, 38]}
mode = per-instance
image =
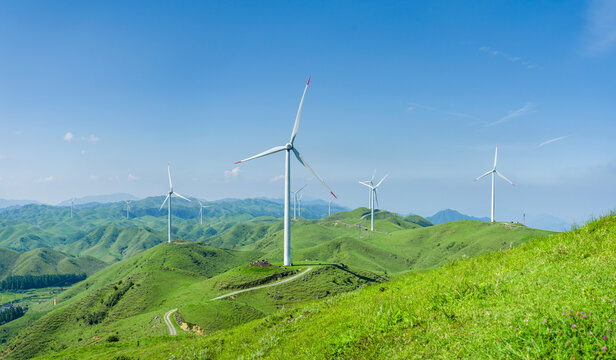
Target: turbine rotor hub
{"type": "Point", "coordinates": [289, 146]}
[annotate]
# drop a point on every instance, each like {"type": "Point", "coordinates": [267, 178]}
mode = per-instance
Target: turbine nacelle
{"type": "Point", "coordinates": [289, 146]}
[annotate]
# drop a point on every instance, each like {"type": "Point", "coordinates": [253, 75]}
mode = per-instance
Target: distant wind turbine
{"type": "Point", "coordinates": [171, 192]}
{"type": "Point", "coordinates": [295, 201]}
{"type": "Point", "coordinates": [330, 207]}
{"type": "Point", "coordinates": [127, 208]}
{"type": "Point", "coordinates": [72, 201]}
{"type": "Point", "coordinates": [373, 197]}
{"type": "Point", "coordinates": [288, 147]}
{"type": "Point", "coordinates": [494, 171]}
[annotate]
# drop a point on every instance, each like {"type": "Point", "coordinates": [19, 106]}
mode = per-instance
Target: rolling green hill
{"type": "Point", "coordinates": [129, 298]}
{"type": "Point", "coordinates": [46, 261]}
{"type": "Point", "coordinates": [550, 298]}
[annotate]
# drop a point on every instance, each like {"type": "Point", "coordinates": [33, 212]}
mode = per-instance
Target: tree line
{"type": "Point", "coordinates": [11, 313]}
{"type": "Point", "coordinates": [39, 281]}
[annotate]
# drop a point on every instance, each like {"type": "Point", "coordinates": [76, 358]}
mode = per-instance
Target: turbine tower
{"type": "Point", "coordinates": [373, 197]}
{"type": "Point", "coordinates": [288, 147]}
{"type": "Point", "coordinates": [171, 192]}
{"type": "Point", "coordinates": [494, 171]}
{"type": "Point", "coordinates": [72, 201]}
{"type": "Point", "coordinates": [330, 207]}
{"type": "Point", "coordinates": [295, 200]}
{"type": "Point", "coordinates": [127, 208]}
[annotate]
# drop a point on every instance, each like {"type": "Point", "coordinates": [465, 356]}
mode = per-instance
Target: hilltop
{"type": "Point", "coordinates": [549, 298]}
{"type": "Point", "coordinates": [45, 261]}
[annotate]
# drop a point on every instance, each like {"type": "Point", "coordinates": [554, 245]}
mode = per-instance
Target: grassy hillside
{"type": "Point", "coordinates": [129, 298]}
{"type": "Point", "coordinates": [46, 261]}
{"type": "Point", "coordinates": [123, 298]}
{"type": "Point", "coordinates": [550, 298]}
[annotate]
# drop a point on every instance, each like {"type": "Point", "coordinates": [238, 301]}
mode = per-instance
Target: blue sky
{"type": "Point", "coordinates": [421, 90]}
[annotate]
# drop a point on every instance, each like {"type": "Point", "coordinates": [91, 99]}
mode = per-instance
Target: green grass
{"type": "Point", "coordinates": [515, 303]}
{"type": "Point", "coordinates": [46, 261]}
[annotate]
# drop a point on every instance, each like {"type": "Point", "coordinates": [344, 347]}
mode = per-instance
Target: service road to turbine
{"type": "Point", "coordinates": [170, 326]}
{"type": "Point", "coordinates": [264, 286]}
{"type": "Point", "coordinates": [172, 330]}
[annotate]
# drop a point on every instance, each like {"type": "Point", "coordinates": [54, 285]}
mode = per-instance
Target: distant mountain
{"type": "Point", "coordinates": [9, 203]}
{"type": "Point", "coordinates": [449, 215]}
{"type": "Point", "coordinates": [102, 199]}
{"type": "Point", "coordinates": [547, 222]}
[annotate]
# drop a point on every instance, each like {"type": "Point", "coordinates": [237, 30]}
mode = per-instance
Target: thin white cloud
{"type": "Point", "coordinates": [47, 179]}
{"type": "Point", "coordinates": [2, 157]}
{"type": "Point", "coordinates": [83, 152]}
{"type": "Point", "coordinates": [277, 178]}
{"type": "Point", "coordinates": [93, 177]}
{"type": "Point", "coordinates": [514, 114]}
{"type": "Point", "coordinates": [552, 140]}
{"type": "Point", "coordinates": [1, 178]}
{"type": "Point", "coordinates": [91, 138]}
{"type": "Point", "coordinates": [132, 177]}
{"type": "Point", "coordinates": [510, 58]}
{"type": "Point", "coordinates": [601, 28]}
{"type": "Point", "coordinates": [229, 174]}
{"type": "Point", "coordinates": [68, 137]}
{"type": "Point", "coordinates": [430, 108]}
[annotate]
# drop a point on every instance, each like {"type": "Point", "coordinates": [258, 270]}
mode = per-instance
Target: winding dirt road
{"type": "Point", "coordinates": [167, 319]}
{"type": "Point", "coordinates": [167, 316]}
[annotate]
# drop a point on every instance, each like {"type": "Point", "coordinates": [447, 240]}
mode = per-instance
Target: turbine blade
{"type": "Point", "coordinates": [365, 184]}
{"type": "Point", "coordinates": [384, 177]}
{"type": "Point", "coordinates": [299, 114]}
{"type": "Point", "coordinates": [265, 153]}
{"type": "Point", "coordinates": [486, 174]}
{"type": "Point", "coordinates": [504, 178]}
{"type": "Point", "coordinates": [495, 156]}
{"type": "Point", "coordinates": [303, 162]}
{"type": "Point", "coordinates": [373, 176]}
{"type": "Point", "coordinates": [161, 207]}
{"type": "Point", "coordinates": [180, 196]}
{"type": "Point", "coordinates": [302, 188]}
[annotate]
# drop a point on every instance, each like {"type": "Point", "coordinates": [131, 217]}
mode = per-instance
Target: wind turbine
{"type": "Point", "coordinates": [299, 205]}
{"type": "Point", "coordinates": [373, 197]}
{"type": "Point", "coordinates": [494, 171]}
{"type": "Point", "coordinates": [72, 201]}
{"type": "Point", "coordinates": [201, 207]}
{"type": "Point", "coordinates": [288, 147]}
{"type": "Point", "coordinates": [295, 201]}
{"type": "Point", "coordinates": [127, 208]}
{"type": "Point", "coordinates": [171, 192]}
{"type": "Point", "coordinates": [330, 207]}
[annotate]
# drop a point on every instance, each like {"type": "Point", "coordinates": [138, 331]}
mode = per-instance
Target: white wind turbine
{"type": "Point", "coordinates": [295, 201]}
{"type": "Point", "coordinates": [494, 171]}
{"type": "Point", "coordinates": [171, 192]}
{"type": "Point", "coordinates": [127, 208]}
{"type": "Point", "coordinates": [288, 147]}
{"type": "Point", "coordinates": [201, 207]}
{"type": "Point", "coordinates": [373, 197]}
{"type": "Point", "coordinates": [72, 202]}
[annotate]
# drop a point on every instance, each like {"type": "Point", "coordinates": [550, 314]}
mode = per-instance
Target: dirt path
{"type": "Point", "coordinates": [167, 316]}
{"type": "Point", "coordinates": [264, 286]}
{"type": "Point", "coordinates": [167, 319]}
